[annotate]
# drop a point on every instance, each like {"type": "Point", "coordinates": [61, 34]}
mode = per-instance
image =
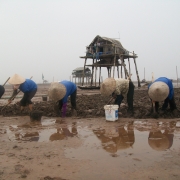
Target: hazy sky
{"type": "Point", "coordinates": [49, 36]}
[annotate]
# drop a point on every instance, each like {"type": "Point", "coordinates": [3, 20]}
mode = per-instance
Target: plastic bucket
{"type": "Point", "coordinates": [111, 112]}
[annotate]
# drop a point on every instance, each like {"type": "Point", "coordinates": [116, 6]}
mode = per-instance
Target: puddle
{"type": "Point", "coordinates": [131, 142]}
{"type": "Point", "coordinates": [47, 122]}
{"type": "Point", "coordinates": [43, 131]}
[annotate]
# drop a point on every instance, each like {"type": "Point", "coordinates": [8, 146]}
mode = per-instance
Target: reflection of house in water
{"type": "Point", "coordinates": [116, 138]}
{"type": "Point", "coordinates": [109, 53]}
{"type": "Point", "coordinates": [77, 75]}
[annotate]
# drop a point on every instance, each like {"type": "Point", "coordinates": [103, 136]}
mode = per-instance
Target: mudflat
{"type": "Point", "coordinates": [88, 146]}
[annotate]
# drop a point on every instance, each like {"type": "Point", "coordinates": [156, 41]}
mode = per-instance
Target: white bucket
{"type": "Point", "coordinates": [111, 112]}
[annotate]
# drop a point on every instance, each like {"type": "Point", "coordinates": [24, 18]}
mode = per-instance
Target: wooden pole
{"type": "Point", "coordinates": [108, 71]}
{"type": "Point", "coordinates": [118, 71]}
{"type": "Point", "coordinates": [121, 71]}
{"type": "Point", "coordinates": [125, 70]}
{"type": "Point", "coordinates": [6, 82]}
{"type": "Point", "coordinates": [99, 76]}
{"type": "Point", "coordinates": [95, 72]}
{"type": "Point", "coordinates": [114, 61]}
{"type": "Point", "coordinates": [84, 71]}
{"type": "Point", "coordinates": [139, 84]}
{"type": "Point", "coordinates": [96, 60]}
{"type": "Point", "coordinates": [129, 67]}
{"type": "Point", "coordinates": [92, 73]}
{"type": "Point", "coordinates": [125, 75]}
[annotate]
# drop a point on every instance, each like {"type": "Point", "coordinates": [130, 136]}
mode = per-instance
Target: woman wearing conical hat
{"type": "Point", "coordinates": [59, 93]}
{"type": "Point", "coordinates": [162, 90]}
{"type": "Point", "coordinates": [119, 88]}
{"type": "Point", "coordinates": [27, 86]}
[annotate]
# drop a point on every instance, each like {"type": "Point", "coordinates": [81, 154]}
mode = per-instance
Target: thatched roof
{"type": "Point", "coordinates": [80, 69]}
{"type": "Point", "coordinates": [112, 41]}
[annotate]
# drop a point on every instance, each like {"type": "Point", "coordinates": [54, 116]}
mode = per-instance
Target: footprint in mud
{"type": "Point", "coordinates": [52, 178]}
{"type": "Point", "coordinates": [114, 155]}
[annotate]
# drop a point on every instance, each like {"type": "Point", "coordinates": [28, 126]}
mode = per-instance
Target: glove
{"type": "Point", "coordinates": [64, 110]}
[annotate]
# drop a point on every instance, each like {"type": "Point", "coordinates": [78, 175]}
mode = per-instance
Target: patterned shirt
{"type": "Point", "coordinates": [122, 87]}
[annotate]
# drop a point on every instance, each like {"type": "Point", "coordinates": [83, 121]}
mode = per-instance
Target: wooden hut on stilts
{"type": "Point", "coordinates": [109, 53]}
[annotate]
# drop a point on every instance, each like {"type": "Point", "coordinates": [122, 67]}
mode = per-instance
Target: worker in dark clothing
{"type": "Point", "coordinates": [60, 91]}
{"type": "Point", "coordinates": [119, 88]}
{"type": "Point", "coordinates": [162, 90]}
{"type": "Point", "coordinates": [27, 86]}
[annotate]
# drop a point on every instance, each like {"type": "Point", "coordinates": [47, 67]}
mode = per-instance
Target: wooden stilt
{"type": "Point", "coordinates": [121, 72]}
{"type": "Point", "coordinates": [114, 61]}
{"type": "Point", "coordinates": [124, 65]}
{"type": "Point", "coordinates": [125, 74]}
{"type": "Point", "coordinates": [118, 71]}
{"type": "Point", "coordinates": [108, 72]}
{"type": "Point", "coordinates": [99, 76]}
{"type": "Point", "coordinates": [95, 72]}
{"type": "Point", "coordinates": [139, 84]}
{"type": "Point", "coordinates": [84, 71]}
{"type": "Point", "coordinates": [129, 67]}
{"type": "Point", "coordinates": [92, 73]}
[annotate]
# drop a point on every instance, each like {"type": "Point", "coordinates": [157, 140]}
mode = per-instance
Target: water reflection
{"type": "Point", "coordinates": [32, 136]}
{"type": "Point", "coordinates": [63, 133]}
{"type": "Point", "coordinates": [161, 140]}
{"type": "Point", "coordinates": [40, 133]}
{"type": "Point", "coordinates": [116, 138]}
{"type": "Point", "coordinates": [154, 136]}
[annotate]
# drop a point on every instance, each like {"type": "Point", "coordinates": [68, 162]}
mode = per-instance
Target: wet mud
{"type": "Point", "coordinates": [90, 148]}
{"type": "Point", "coordinates": [91, 105]}
{"type": "Point", "coordinates": [87, 146]}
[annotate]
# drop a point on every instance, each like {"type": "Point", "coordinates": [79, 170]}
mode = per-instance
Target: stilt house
{"type": "Point", "coordinates": [80, 73]}
{"type": "Point", "coordinates": [109, 53]}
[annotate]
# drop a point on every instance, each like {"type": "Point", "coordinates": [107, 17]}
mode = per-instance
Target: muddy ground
{"type": "Point", "coordinates": [88, 147]}
{"type": "Point", "coordinates": [91, 104]}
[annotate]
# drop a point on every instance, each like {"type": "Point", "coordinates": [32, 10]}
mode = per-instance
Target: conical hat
{"type": "Point", "coordinates": [56, 91]}
{"type": "Point", "coordinates": [158, 91]}
{"type": "Point", "coordinates": [16, 79]}
{"type": "Point", "coordinates": [158, 141]}
{"type": "Point", "coordinates": [108, 86]}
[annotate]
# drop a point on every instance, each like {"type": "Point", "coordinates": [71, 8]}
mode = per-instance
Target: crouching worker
{"type": "Point", "coordinates": [161, 90]}
{"type": "Point", "coordinates": [119, 88]}
{"type": "Point", "coordinates": [27, 86]}
{"type": "Point", "coordinates": [59, 93]}
{"type": "Point", "coordinates": [2, 90]}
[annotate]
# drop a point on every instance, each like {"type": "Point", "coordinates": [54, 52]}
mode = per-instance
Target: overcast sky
{"type": "Point", "coordinates": [49, 36]}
